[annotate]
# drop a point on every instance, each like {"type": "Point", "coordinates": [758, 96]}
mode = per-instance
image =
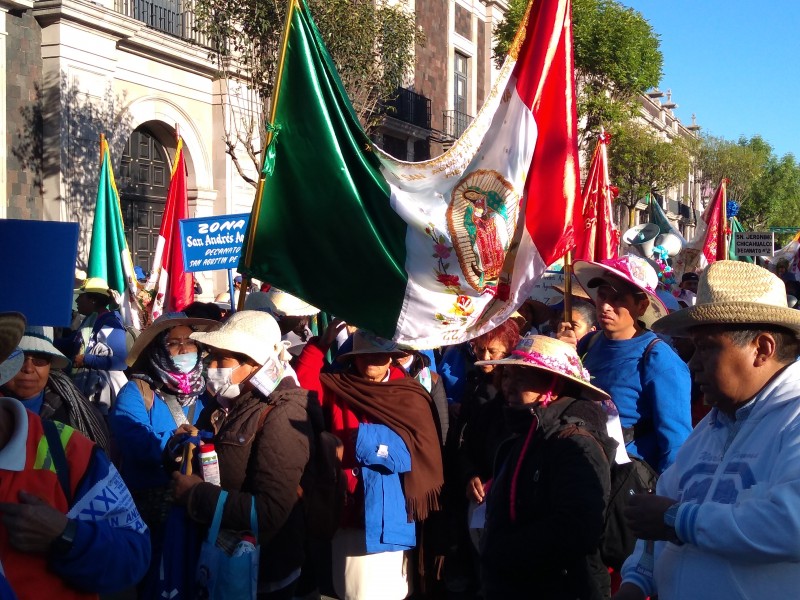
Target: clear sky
{"type": "Point", "coordinates": [733, 63]}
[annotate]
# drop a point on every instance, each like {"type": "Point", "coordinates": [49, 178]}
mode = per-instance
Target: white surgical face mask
{"type": "Point", "coordinates": [185, 362]}
{"type": "Point", "coordinates": [219, 383]}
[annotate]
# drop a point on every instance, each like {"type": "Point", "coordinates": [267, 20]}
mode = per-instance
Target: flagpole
{"type": "Point", "coordinates": [256, 210]}
{"type": "Point", "coordinates": [568, 286]}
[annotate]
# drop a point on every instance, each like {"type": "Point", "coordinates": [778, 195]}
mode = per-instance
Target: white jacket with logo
{"type": "Point", "coordinates": [739, 517]}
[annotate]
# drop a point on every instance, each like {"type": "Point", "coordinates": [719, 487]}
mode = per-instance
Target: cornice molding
{"type": "Point", "coordinates": [132, 35]}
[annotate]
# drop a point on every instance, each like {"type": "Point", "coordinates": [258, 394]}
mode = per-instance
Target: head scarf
{"type": "Point", "coordinates": [186, 387]}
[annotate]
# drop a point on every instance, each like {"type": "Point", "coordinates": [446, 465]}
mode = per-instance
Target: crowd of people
{"type": "Point", "coordinates": [503, 467]}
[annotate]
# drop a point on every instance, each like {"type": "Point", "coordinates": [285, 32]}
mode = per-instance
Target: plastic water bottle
{"type": "Point", "coordinates": [209, 463]}
{"type": "Point", "coordinates": [247, 545]}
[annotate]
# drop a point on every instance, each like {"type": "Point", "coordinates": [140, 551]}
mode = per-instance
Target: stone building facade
{"type": "Point", "coordinates": [136, 71]}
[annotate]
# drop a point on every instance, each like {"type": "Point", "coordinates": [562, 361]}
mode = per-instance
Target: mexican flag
{"type": "Point", "coordinates": [172, 288]}
{"type": "Point", "coordinates": [428, 253]}
{"type": "Point", "coordinates": [109, 257]}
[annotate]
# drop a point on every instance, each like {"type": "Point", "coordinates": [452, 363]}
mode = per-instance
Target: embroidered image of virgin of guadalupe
{"type": "Point", "coordinates": [485, 222]}
{"type": "Point", "coordinates": [481, 220]}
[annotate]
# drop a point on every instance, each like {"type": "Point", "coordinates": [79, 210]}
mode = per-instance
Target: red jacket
{"type": "Point", "coordinates": [343, 422]}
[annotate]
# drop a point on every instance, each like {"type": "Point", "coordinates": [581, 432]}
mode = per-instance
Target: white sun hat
{"type": "Point", "coordinates": [250, 332]}
{"type": "Point", "coordinates": [283, 304]}
{"type": "Point", "coordinates": [40, 340]}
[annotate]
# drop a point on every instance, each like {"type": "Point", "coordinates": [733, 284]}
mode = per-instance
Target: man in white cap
{"type": "Point", "coordinates": [725, 519]}
{"type": "Point", "coordinates": [69, 527]}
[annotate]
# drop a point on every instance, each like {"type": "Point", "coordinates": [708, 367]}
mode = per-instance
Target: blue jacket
{"type": "Point", "coordinates": [107, 329]}
{"type": "Point", "coordinates": [653, 392]}
{"type": "Point", "coordinates": [383, 456]}
{"type": "Point", "coordinates": [141, 436]}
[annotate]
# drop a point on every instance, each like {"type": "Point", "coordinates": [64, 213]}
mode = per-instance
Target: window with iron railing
{"type": "Point", "coordinates": [455, 122]}
{"type": "Point", "coordinates": [409, 107]}
{"type": "Point", "coordinates": [173, 17]}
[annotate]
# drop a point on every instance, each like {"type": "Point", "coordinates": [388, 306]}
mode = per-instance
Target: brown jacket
{"type": "Point", "coordinates": [265, 464]}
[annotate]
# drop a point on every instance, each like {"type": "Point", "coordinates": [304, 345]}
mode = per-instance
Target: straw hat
{"type": "Point", "coordinates": [286, 305]}
{"type": "Point", "coordinates": [576, 290]}
{"type": "Point", "coordinates": [250, 332]}
{"type": "Point", "coordinates": [162, 323]}
{"type": "Point", "coordinates": [95, 285]}
{"type": "Point", "coordinates": [633, 270]}
{"type": "Point", "coordinates": [365, 342]}
{"type": "Point", "coordinates": [12, 327]}
{"type": "Point", "coordinates": [40, 340]}
{"type": "Point", "coordinates": [554, 356]}
{"type": "Point", "coordinates": [733, 292]}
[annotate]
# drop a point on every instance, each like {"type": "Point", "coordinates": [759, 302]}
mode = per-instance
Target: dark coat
{"type": "Point", "coordinates": [267, 464]}
{"type": "Point", "coordinates": [551, 550]}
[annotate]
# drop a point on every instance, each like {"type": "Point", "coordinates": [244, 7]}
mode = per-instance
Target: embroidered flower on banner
{"type": "Point", "coordinates": [441, 252]}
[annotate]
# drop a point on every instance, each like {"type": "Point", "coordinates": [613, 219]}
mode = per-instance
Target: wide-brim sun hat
{"type": "Point", "coordinates": [40, 340]}
{"type": "Point", "coordinates": [365, 342]}
{"type": "Point", "coordinates": [734, 293]}
{"type": "Point", "coordinates": [258, 301]}
{"type": "Point", "coordinates": [575, 290]}
{"type": "Point", "coordinates": [553, 356]}
{"type": "Point", "coordinates": [632, 270]}
{"type": "Point", "coordinates": [163, 323]}
{"type": "Point", "coordinates": [11, 366]}
{"type": "Point", "coordinates": [12, 328]}
{"type": "Point", "coordinates": [250, 332]}
{"type": "Point", "coordinates": [95, 285]}
{"type": "Point", "coordinates": [286, 305]}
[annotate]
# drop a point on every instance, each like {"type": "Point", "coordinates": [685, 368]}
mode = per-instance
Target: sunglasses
{"type": "Point", "coordinates": [38, 360]}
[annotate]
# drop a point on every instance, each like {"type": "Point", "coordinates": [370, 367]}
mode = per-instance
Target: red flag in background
{"type": "Point", "coordinates": [715, 245]}
{"type": "Point", "coordinates": [173, 287]}
{"type": "Point", "coordinates": [546, 84]}
{"type": "Point", "coordinates": [599, 238]}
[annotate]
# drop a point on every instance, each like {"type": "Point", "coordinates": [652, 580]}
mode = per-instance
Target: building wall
{"type": "Point", "coordinates": [23, 112]}
{"type": "Point", "coordinates": [432, 59]}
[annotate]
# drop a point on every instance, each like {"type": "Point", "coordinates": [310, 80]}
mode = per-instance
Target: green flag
{"type": "Point", "coordinates": [109, 257]}
{"type": "Point", "coordinates": [736, 227]}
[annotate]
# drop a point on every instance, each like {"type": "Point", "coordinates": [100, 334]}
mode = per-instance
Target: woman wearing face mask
{"type": "Point", "coordinates": [165, 393]}
{"type": "Point", "coordinates": [262, 455]}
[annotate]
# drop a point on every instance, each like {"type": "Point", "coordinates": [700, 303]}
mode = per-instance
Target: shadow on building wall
{"type": "Point", "coordinates": [58, 142]}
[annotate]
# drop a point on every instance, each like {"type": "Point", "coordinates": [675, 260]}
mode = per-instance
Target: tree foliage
{"type": "Point", "coordinates": [371, 43]}
{"type": "Point", "coordinates": [617, 57]}
{"type": "Point", "coordinates": [641, 162]}
{"type": "Point", "coordinates": [766, 187]}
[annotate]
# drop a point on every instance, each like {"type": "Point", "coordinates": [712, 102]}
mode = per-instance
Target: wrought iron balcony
{"type": "Point", "coordinates": [409, 107]}
{"type": "Point", "coordinates": [173, 17]}
{"type": "Point", "coordinates": [455, 123]}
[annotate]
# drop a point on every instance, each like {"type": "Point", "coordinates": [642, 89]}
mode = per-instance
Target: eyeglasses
{"type": "Point", "coordinates": [39, 360]}
{"type": "Point", "coordinates": [481, 351]}
{"type": "Point", "coordinates": [184, 344]}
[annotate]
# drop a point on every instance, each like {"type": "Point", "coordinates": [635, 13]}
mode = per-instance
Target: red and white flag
{"type": "Point", "coordinates": [599, 239]}
{"type": "Point", "coordinates": [172, 288]}
{"type": "Point", "coordinates": [710, 242]}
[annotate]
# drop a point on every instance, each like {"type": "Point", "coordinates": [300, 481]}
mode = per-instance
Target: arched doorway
{"type": "Point", "coordinates": [143, 187]}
